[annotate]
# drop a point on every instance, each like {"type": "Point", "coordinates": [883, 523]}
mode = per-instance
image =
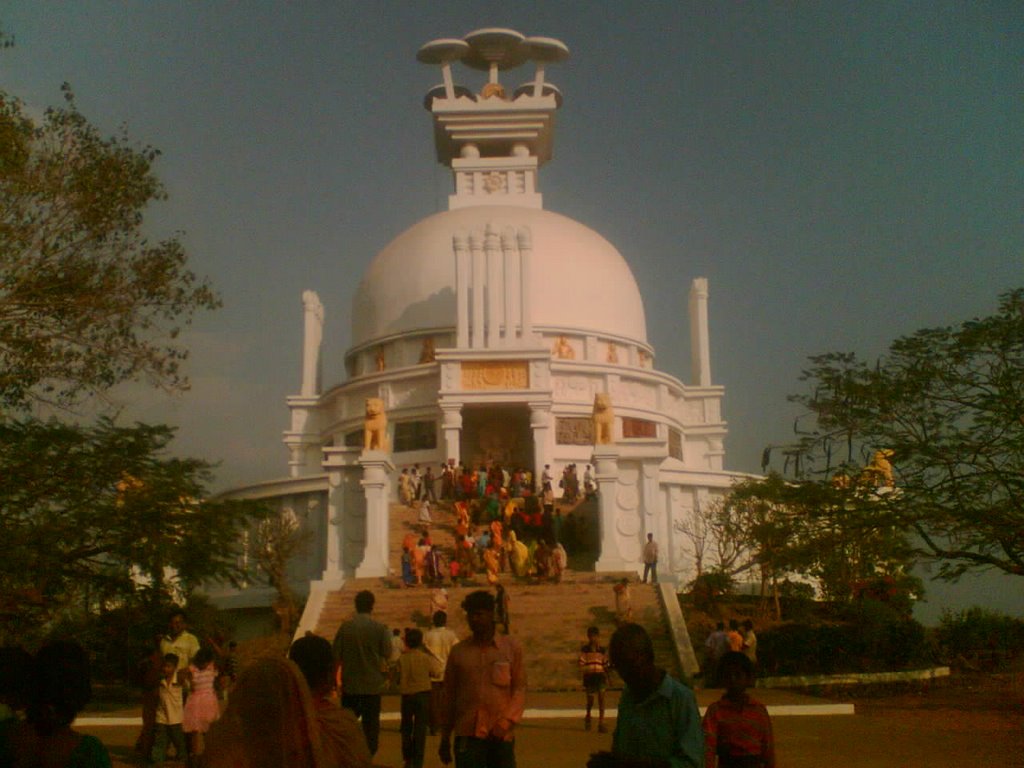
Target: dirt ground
{"type": "Point", "coordinates": [975, 719]}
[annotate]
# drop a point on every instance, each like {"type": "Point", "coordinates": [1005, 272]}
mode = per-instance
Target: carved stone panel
{"type": "Point", "coordinates": [638, 428]}
{"type": "Point", "coordinates": [495, 375]}
{"type": "Point", "coordinates": [675, 444]}
{"type": "Point", "coordinates": [574, 430]}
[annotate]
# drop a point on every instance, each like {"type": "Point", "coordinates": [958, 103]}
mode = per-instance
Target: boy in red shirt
{"type": "Point", "coordinates": [737, 728]}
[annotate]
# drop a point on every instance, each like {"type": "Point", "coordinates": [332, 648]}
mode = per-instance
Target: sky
{"type": "Point", "coordinates": [842, 173]}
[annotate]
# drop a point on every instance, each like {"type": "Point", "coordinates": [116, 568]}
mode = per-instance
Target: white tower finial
{"type": "Point", "coordinates": [494, 141]}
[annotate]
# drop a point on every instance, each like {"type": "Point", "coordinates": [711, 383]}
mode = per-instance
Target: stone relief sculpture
{"type": "Point", "coordinates": [427, 351]}
{"type": "Point", "coordinates": [381, 364]}
{"type": "Point", "coordinates": [375, 426]}
{"type": "Point", "coordinates": [604, 419]}
{"type": "Point", "coordinates": [613, 353]}
{"type": "Point", "coordinates": [563, 349]}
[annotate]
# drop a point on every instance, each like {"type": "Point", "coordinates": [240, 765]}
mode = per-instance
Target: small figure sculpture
{"type": "Point", "coordinates": [375, 426]}
{"type": "Point", "coordinates": [563, 349]}
{"type": "Point", "coordinates": [613, 353]}
{"type": "Point", "coordinates": [604, 419]}
{"type": "Point", "coordinates": [643, 358]}
{"type": "Point", "coordinates": [381, 364]}
{"type": "Point", "coordinates": [427, 351]}
{"type": "Point", "coordinates": [878, 473]}
{"type": "Point", "coordinates": [492, 89]}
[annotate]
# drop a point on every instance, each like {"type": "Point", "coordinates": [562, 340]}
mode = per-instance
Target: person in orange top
{"type": "Point", "coordinates": [733, 636]}
{"type": "Point", "coordinates": [484, 692]}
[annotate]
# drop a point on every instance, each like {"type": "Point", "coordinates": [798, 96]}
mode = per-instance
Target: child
{"type": "Point", "coordinates": [202, 707]}
{"type": "Point", "coordinates": [737, 729]}
{"type": "Point", "coordinates": [594, 662]}
{"type": "Point", "coordinates": [623, 603]}
{"type": "Point", "coordinates": [169, 713]}
{"type": "Point", "coordinates": [414, 671]}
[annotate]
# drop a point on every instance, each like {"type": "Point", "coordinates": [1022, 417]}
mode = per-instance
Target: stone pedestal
{"type": "Point", "coordinates": [376, 483]}
{"type": "Point", "coordinates": [606, 465]}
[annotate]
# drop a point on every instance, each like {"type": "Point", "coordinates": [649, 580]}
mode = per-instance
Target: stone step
{"type": "Point", "coordinates": [550, 620]}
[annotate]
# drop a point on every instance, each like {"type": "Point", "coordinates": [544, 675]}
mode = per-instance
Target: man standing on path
{"type": "Point", "coordinates": [658, 723]}
{"type": "Point", "coordinates": [439, 641]}
{"type": "Point", "coordinates": [178, 640]}
{"type": "Point", "coordinates": [651, 559]}
{"type": "Point", "coordinates": [484, 692]}
{"type": "Point", "coordinates": [363, 647]}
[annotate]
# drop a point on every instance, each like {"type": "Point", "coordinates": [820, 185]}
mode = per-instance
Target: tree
{"type": "Point", "coordinates": [274, 541]}
{"type": "Point", "coordinates": [86, 301]}
{"type": "Point", "coordinates": [101, 515]}
{"type": "Point", "coordinates": [949, 403]}
{"type": "Point", "coordinates": [837, 533]}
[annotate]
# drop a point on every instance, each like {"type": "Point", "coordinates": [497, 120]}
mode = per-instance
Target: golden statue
{"type": "Point", "coordinates": [878, 473]}
{"type": "Point", "coordinates": [563, 349]}
{"type": "Point", "coordinates": [604, 419]}
{"type": "Point", "coordinates": [427, 351]}
{"type": "Point", "coordinates": [493, 89]}
{"type": "Point", "coordinates": [375, 426]}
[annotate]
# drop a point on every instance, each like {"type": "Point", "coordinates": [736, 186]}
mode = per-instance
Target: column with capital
{"type": "Point", "coordinates": [540, 425]}
{"type": "Point", "coordinates": [606, 475]}
{"type": "Point", "coordinates": [451, 423]}
{"type": "Point", "coordinates": [376, 483]}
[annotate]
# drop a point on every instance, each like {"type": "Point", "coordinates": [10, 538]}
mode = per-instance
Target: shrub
{"type": "Point", "coordinates": [709, 588]}
{"type": "Point", "coordinates": [876, 638]}
{"type": "Point", "coordinates": [977, 631]}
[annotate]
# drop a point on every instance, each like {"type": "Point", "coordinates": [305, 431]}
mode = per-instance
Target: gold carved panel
{"type": "Point", "coordinates": [574, 430]}
{"type": "Point", "coordinates": [496, 375]}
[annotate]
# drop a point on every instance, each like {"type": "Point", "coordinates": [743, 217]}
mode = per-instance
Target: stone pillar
{"type": "Point", "coordinates": [479, 270]}
{"type": "Point", "coordinates": [376, 482]}
{"type": "Point", "coordinates": [508, 262]}
{"type": "Point", "coordinates": [526, 319]}
{"type": "Point", "coordinates": [462, 282]}
{"type": "Point", "coordinates": [336, 461]}
{"type": "Point", "coordinates": [700, 340]}
{"type": "Point", "coordinates": [494, 291]}
{"type": "Point", "coordinates": [606, 475]}
{"type": "Point", "coordinates": [540, 423]}
{"type": "Point", "coordinates": [313, 331]}
{"type": "Point", "coordinates": [451, 423]}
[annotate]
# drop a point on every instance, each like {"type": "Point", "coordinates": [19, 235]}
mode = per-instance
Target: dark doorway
{"type": "Point", "coordinates": [497, 434]}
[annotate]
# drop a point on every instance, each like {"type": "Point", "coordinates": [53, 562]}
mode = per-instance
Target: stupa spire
{"type": "Point", "coordinates": [494, 141]}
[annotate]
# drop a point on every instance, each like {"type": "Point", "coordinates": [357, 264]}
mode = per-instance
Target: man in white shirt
{"type": "Point", "coordinates": [438, 640]}
{"type": "Point", "coordinates": [651, 559]}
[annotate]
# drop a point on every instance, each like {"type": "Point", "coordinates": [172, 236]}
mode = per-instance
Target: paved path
{"type": "Point", "coordinates": [874, 738]}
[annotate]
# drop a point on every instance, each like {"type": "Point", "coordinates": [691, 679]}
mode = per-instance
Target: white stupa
{"type": "Point", "coordinates": [487, 330]}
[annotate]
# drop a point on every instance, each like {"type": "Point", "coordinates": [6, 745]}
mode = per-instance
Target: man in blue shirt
{"type": "Point", "coordinates": [658, 724]}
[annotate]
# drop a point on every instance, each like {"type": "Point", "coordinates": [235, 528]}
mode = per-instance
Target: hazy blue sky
{"type": "Point", "coordinates": [842, 173]}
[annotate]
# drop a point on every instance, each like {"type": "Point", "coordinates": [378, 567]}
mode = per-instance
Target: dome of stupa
{"type": "Point", "coordinates": [579, 281]}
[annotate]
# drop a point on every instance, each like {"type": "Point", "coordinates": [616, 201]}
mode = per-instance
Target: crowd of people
{"type": "Point", "coordinates": [500, 524]}
{"type": "Point", "coordinates": [471, 693]}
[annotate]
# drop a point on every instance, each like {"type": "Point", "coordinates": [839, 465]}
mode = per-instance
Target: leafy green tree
{"type": "Point", "coordinates": [949, 403]}
{"type": "Point", "coordinates": [86, 300]}
{"type": "Point", "coordinates": [835, 533]}
{"type": "Point", "coordinates": [101, 515]}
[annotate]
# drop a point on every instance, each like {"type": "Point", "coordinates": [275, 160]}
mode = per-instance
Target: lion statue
{"type": "Point", "coordinates": [375, 426]}
{"type": "Point", "coordinates": [878, 472]}
{"type": "Point", "coordinates": [604, 419]}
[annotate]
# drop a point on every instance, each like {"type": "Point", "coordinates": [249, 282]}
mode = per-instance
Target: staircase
{"type": "Point", "coordinates": [550, 620]}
